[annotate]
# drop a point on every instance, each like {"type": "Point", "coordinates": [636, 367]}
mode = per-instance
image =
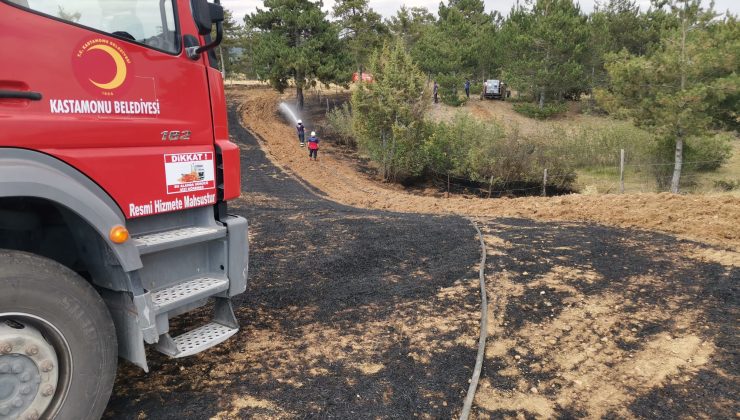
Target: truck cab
{"type": "Point", "coordinates": [115, 173]}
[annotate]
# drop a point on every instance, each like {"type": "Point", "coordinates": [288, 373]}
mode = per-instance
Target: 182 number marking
{"type": "Point", "coordinates": [175, 135]}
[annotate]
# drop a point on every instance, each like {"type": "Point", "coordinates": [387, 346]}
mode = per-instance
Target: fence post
{"type": "Point", "coordinates": [544, 184]}
{"type": "Point", "coordinates": [621, 171]}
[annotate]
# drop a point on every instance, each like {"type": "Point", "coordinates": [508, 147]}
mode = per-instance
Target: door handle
{"type": "Point", "coordinates": [20, 94]}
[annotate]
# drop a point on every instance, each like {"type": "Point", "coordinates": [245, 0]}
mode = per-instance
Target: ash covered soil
{"type": "Point", "coordinates": [589, 321]}
{"type": "Point", "coordinates": [349, 313]}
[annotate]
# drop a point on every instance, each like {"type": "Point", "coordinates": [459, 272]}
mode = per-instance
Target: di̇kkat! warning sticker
{"type": "Point", "coordinates": [187, 172]}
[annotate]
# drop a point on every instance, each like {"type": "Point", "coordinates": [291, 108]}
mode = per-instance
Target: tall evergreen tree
{"type": "Point", "coordinates": [231, 52]}
{"type": "Point", "coordinates": [457, 46]}
{"type": "Point", "coordinates": [388, 115]}
{"type": "Point", "coordinates": [293, 40]}
{"type": "Point", "coordinates": [617, 25]}
{"type": "Point", "coordinates": [361, 28]}
{"type": "Point", "coordinates": [410, 24]}
{"type": "Point", "coordinates": [688, 85]}
{"type": "Point", "coordinates": [545, 49]}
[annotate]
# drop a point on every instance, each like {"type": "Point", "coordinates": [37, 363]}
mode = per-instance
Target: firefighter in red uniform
{"type": "Point", "coordinates": [313, 146]}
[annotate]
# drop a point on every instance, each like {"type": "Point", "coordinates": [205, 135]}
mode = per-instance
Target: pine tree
{"type": "Point", "coordinates": [457, 46]}
{"type": "Point", "coordinates": [231, 51]}
{"type": "Point", "coordinates": [545, 49]}
{"type": "Point", "coordinates": [688, 86]}
{"type": "Point", "coordinates": [619, 25]}
{"type": "Point", "coordinates": [361, 28]}
{"type": "Point", "coordinates": [388, 115]}
{"type": "Point", "coordinates": [293, 40]}
{"type": "Point", "coordinates": [410, 24]}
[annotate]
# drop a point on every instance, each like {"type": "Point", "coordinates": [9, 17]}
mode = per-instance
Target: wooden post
{"type": "Point", "coordinates": [544, 184]}
{"type": "Point", "coordinates": [621, 171]}
{"type": "Point", "coordinates": [490, 186]}
{"type": "Point", "coordinates": [327, 104]}
{"type": "Point", "coordinates": [448, 184]}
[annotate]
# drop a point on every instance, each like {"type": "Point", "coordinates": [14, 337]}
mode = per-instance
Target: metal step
{"type": "Point", "coordinates": [197, 340]}
{"type": "Point", "coordinates": [169, 239]}
{"type": "Point", "coordinates": [186, 292]}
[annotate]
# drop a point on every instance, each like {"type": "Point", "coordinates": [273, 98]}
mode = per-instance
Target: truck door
{"type": "Point", "coordinates": [105, 86]}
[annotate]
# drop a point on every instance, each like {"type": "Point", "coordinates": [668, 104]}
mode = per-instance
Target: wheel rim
{"type": "Point", "coordinates": [35, 367]}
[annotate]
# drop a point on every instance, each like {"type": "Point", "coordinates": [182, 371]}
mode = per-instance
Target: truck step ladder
{"type": "Point", "coordinates": [169, 239]}
{"type": "Point", "coordinates": [223, 326]}
{"type": "Point", "coordinates": [189, 291]}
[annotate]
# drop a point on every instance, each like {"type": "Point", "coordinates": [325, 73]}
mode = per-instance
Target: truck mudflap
{"type": "Point", "coordinates": [238, 253]}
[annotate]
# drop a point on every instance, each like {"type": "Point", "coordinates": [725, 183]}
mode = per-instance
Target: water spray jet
{"type": "Point", "coordinates": [288, 112]}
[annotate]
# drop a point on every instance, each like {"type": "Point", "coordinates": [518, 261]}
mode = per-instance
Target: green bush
{"type": "Point", "coordinates": [451, 89]}
{"type": "Point", "coordinates": [486, 153]}
{"type": "Point", "coordinates": [700, 154]}
{"type": "Point", "coordinates": [476, 88]}
{"type": "Point", "coordinates": [339, 125]}
{"type": "Point", "coordinates": [533, 110]}
{"type": "Point", "coordinates": [520, 99]}
{"type": "Point", "coordinates": [708, 153]}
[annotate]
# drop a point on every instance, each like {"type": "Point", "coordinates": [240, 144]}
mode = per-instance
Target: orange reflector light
{"type": "Point", "coordinates": [118, 234]}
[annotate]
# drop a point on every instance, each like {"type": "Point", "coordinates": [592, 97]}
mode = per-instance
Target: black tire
{"type": "Point", "coordinates": [38, 286]}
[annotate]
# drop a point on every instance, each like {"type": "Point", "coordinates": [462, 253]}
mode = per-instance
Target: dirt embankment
{"type": "Point", "coordinates": [713, 219]}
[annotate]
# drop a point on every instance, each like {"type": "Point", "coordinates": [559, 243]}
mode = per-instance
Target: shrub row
{"type": "Point", "coordinates": [534, 111]}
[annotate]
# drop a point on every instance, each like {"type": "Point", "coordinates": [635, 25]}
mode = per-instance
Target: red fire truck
{"type": "Point", "coordinates": [115, 170]}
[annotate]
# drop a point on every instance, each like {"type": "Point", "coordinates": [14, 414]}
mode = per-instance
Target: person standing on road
{"type": "Point", "coordinates": [467, 88]}
{"type": "Point", "coordinates": [435, 90]}
{"type": "Point", "coordinates": [301, 133]}
{"type": "Point", "coordinates": [313, 146]}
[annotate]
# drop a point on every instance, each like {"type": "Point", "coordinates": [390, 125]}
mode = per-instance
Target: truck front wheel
{"type": "Point", "coordinates": [58, 352]}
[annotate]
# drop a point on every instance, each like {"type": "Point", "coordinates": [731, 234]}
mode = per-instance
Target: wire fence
{"type": "Point", "coordinates": [627, 178]}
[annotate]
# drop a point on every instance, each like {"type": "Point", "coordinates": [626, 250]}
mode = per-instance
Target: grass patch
{"type": "Point", "coordinates": [640, 176]}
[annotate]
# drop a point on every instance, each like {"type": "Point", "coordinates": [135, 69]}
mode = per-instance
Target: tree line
{"type": "Point", "coordinates": [672, 69]}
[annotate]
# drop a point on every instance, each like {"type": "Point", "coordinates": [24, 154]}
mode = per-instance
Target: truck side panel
{"type": "Point", "coordinates": [145, 136]}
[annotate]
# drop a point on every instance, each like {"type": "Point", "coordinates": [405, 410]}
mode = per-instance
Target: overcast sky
{"type": "Point", "coordinates": [388, 8]}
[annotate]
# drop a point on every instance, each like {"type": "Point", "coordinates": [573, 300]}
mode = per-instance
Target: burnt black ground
{"type": "Point", "coordinates": [680, 284]}
{"type": "Point", "coordinates": [308, 252]}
